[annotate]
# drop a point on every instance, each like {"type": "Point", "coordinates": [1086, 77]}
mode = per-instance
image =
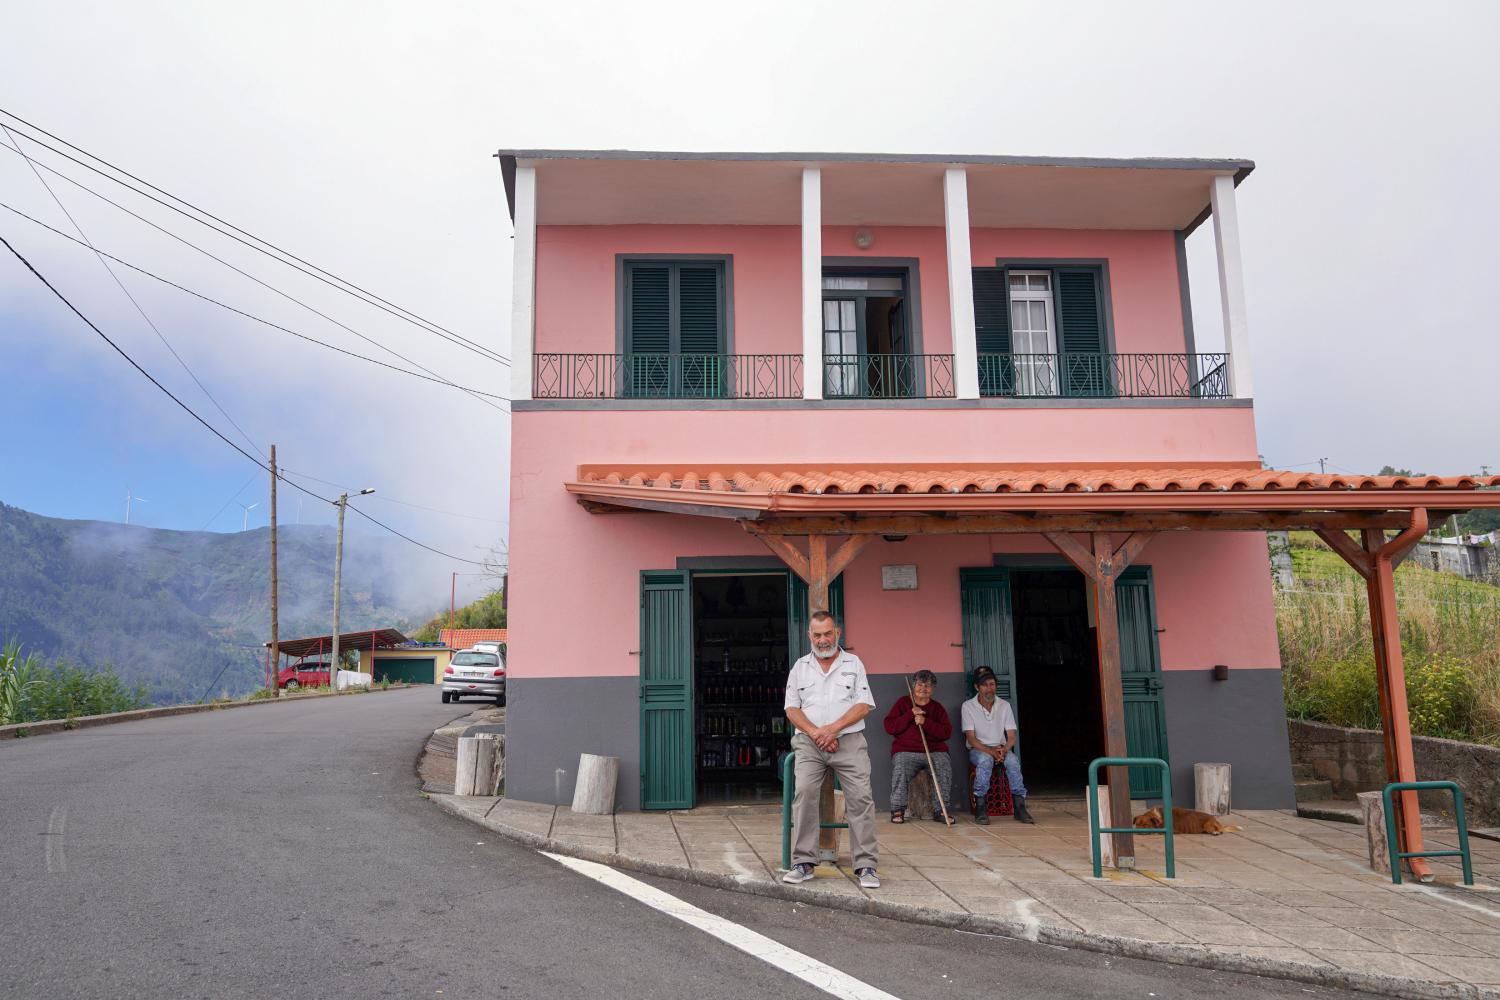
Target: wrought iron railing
{"type": "Point", "coordinates": [1105, 376]}
{"type": "Point", "coordinates": [887, 376]}
{"type": "Point", "coordinates": [667, 376]}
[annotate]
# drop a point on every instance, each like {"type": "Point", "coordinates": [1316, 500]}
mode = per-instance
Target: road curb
{"type": "Point", "coordinates": [1198, 956]}
{"type": "Point", "coordinates": [26, 730]}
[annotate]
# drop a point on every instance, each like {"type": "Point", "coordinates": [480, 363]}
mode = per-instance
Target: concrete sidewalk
{"type": "Point", "coordinates": [1287, 897]}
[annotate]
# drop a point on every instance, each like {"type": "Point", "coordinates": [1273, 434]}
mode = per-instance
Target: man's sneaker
{"type": "Point", "coordinates": [868, 879]}
{"type": "Point", "coordinates": [798, 873]}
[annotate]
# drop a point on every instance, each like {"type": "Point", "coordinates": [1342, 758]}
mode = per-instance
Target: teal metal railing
{"type": "Point", "coordinates": [1397, 855]}
{"type": "Point", "coordinates": [667, 376]}
{"type": "Point", "coordinates": [1104, 376]}
{"type": "Point", "coordinates": [788, 791]}
{"type": "Point", "coordinates": [1166, 809]}
{"type": "Point", "coordinates": [888, 376]}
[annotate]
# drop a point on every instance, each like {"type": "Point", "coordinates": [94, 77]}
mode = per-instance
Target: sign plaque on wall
{"type": "Point", "coordinates": [898, 577]}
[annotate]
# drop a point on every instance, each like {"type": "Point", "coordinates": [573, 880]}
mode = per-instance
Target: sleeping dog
{"type": "Point", "coordinates": [1186, 821]}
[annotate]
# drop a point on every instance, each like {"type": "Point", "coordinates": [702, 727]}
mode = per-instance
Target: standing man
{"type": "Point", "coordinates": [990, 733]}
{"type": "Point", "coordinates": [909, 721]}
{"type": "Point", "coordinates": [827, 699]}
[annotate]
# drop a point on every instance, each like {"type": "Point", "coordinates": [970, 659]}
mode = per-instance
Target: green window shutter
{"type": "Point", "coordinates": [650, 310]}
{"type": "Point", "coordinates": [798, 618]}
{"type": "Point", "coordinates": [989, 640]}
{"type": "Point", "coordinates": [666, 690]}
{"type": "Point", "coordinates": [992, 330]}
{"type": "Point", "coordinates": [699, 309]}
{"type": "Point", "coordinates": [1080, 318]}
{"type": "Point", "coordinates": [1140, 681]}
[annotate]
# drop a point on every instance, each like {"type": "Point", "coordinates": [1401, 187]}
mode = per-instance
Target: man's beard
{"type": "Point", "coordinates": [825, 649]}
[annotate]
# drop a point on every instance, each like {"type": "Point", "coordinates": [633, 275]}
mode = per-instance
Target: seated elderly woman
{"type": "Point", "coordinates": [908, 721]}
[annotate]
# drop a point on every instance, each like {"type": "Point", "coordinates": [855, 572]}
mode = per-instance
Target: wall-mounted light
{"type": "Point", "coordinates": [1221, 671]}
{"type": "Point", "coordinates": [863, 238]}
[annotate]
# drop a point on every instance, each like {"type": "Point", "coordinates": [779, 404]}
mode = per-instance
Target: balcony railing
{"type": "Point", "coordinates": [887, 376]}
{"type": "Point", "coordinates": [1105, 376]}
{"type": "Point", "coordinates": [667, 376]}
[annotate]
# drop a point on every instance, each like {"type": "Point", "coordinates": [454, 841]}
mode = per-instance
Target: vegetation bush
{"type": "Point", "coordinates": [487, 612]}
{"type": "Point", "coordinates": [1450, 639]}
{"type": "Point", "coordinates": [30, 692]}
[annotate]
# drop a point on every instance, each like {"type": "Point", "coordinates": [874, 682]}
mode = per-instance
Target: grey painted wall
{"type": "Point", "coordinates": [1240, 722]}
{"type": "Point", "coordinates": [549, 721]}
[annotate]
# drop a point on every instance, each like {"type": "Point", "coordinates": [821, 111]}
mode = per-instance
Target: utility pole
{"type": "Point", "coordinates": [275, 594]}
{"type": "Point", "coordinates": [342, 504]}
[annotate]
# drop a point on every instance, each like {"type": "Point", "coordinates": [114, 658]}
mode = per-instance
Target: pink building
{"type": "Point", "coordinates": [920, 390]}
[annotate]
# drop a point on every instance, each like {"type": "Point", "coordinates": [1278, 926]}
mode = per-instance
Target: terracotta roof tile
{"type": "Point", "coordinates": [463, 638]}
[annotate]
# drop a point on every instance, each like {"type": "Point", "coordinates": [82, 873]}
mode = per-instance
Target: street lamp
{"type": "Point", "coordinates": [342, 504]}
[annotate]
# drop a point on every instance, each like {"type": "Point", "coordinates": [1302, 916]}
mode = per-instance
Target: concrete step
{"type": "Point", "coordinates": [1347, 811]}
{"type": "Point", "coordinates": [1313, 791]}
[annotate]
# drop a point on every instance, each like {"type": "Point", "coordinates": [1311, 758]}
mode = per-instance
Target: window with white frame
{"type": "Point", "coordinates": [1033, 332]}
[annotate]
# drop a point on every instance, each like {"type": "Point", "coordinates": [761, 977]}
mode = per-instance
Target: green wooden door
{"type": "Point", "coordinates": [666, 690]}
{"type": "Point", "coordinates": [1140, 679]}
{"type": "Point", "coordinates": [404, 671]}
{"type": "Point", "coordinates": [797, 619]}
{"type": "Point", "coordinates": [984, 595]}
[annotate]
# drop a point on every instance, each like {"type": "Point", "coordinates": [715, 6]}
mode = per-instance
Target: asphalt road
{"type": "Point", "coordinates": [283, 851]}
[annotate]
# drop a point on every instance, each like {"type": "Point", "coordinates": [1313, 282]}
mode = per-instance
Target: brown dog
{"type": "Point", "coordinates": [1186, 821]}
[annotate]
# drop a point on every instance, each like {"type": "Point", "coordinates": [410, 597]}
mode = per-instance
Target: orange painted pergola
{"type": "Point", "coordinates": [1099, 518]}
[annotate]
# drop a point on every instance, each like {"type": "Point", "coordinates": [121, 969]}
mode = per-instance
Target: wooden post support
{"type": "Point", "coordinates": [1211, 789]}
{"type": "Point", "coordinates": [1107, 855]}
{"type": "Point", "coordinates": [1372, 808]}
{"type": "Point", "coordinates": [1102, 562]}
{"type": "Point", "coordinates": [1375, 560]}
{"type": "Point", "coordinates": [475, 768]}
{"type": "Point", "coordinates": [594, 793]}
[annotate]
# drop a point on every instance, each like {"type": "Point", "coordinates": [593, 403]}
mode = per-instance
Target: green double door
{"type": "Point", "coordinates": [988, 631]}
{"type": "Point", "coordinates": [668, 737]}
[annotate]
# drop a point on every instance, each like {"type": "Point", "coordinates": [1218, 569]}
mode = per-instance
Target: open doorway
{"type": "Point", "coordinates": [867, 341]}
{"type": "Point", "coordinates": [740, 650]}
{"type": "Point", "coordinates": [1057, 681]}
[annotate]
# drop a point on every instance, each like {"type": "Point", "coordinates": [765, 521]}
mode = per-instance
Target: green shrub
{"type": "Point", "coordinates": [29, 692]}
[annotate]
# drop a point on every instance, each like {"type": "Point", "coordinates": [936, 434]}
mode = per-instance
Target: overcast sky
{"type": "Point", "coordinates": [359, 136]}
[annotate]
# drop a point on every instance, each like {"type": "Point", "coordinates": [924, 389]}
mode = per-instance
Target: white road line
{"type": "Point", "coordinates": [809, 970]}
{"type": "Point", "coordinates": [57, 859]}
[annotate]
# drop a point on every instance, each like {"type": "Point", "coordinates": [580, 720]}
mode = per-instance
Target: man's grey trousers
{"type": "Point", "coordinates": [851, 762]}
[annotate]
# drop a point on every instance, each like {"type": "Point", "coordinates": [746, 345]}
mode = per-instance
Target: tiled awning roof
{"type": "Point", "coordinates": [752, 491]}
{"type": "Point", "coordinates": [463, 638]}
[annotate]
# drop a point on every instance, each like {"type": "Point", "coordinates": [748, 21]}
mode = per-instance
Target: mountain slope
{"type": "Point", "coordinates": [172, 609]}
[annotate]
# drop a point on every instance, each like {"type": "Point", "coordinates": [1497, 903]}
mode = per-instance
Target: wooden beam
{"type": "Point", "coordinates": [1339, 541]}
{"type": "Point", "coordinates": [846, 553]}
{"type": "Point", "coordinates": [789, 554]}
{"type": "Point", "coordinates": [1000, 524]}
{"type": "Point", "coordinates": [1076, 553]}
{"type": "Point", "coordinates": [1111, 689]}
{"type": "Point", "coordinates": [818, 577]}
{"type": "Point", "coordinates": [1130, 550]}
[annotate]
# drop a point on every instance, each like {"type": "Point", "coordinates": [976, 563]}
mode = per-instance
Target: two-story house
{"type": "Point", "coordinates": [957, 400]}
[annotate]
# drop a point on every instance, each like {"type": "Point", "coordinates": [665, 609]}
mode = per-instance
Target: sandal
{"type": "Point", "coordinates": [937, 817]}
{"type": "Point", "coordinates": [898, 815]}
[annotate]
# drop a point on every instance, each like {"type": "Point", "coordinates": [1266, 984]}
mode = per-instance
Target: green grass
{"type": "Point", "coordinates": [1450, 640]}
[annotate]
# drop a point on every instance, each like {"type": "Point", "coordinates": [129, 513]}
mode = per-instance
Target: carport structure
{"type": "Point", "coordinates": [318, 645]}
{"type": "Point", "coordinates": [1098, 518]}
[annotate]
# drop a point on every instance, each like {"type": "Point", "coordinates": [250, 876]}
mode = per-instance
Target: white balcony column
{"type": "Point", "coordinates": [523, 286]}
{"type": "Point", "coordinates": [960, 283]}
{"type": "Point", "coordinates": [1231, 286]}
{"type": "Point", "coordinates": [812, 283]}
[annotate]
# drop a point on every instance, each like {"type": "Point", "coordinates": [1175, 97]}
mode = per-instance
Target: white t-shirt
{"type": "Point", "coordinates": [989, 727]}
{"type": "Point", "coordinates": [824, 697]}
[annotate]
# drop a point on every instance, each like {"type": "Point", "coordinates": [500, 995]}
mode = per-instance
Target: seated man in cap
{"type": "Point", "coordinates": [909, 720]}
{"type": "Point", "coordinates": [990, 734]}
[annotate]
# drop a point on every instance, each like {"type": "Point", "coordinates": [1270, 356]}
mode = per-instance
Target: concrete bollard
{"type": "Point", "coordinates": [475, 769]}
{"type": "Point", "coordinates": [1372, 807]}
{"type": "Point", "coordinates": [594, 792]}
{"type": "Point", "coordinates": [1211, 788]}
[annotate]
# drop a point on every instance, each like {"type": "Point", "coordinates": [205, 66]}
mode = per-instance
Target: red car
{"type": "Point", "coordinates": [300, 675]}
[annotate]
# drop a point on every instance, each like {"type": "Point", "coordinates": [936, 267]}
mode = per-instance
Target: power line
{"type": "Point", "coordinates": [403, 503]}
{"type": "Point", "coordinates": [246, 274]}
{"type": "Point", "coordinates": [232, 498]}
{"type": "Point", "coordinates": [210, 427]}
{"type": "Point", "coordinates": [287, 257]}
{"type": "Point", "coordinates": [251, 316]}
{"type": "Point", "coordinates": [105, 264]}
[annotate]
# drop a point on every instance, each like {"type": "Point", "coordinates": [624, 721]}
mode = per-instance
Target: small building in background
{"type": "Point", "coordinates": [465, 638]}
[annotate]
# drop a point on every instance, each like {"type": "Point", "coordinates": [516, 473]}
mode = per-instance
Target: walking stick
{"type": "Point", "coordinates": [921, 731]}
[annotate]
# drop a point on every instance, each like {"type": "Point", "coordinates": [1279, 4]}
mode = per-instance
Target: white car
{"type": "Point", "coordinates": [474, 672]}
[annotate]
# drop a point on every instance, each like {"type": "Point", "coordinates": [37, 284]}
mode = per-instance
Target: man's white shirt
{"type": "Point", "coordinates": [989, 727]}
{"type": "Point", "coordinates": [825, 697]}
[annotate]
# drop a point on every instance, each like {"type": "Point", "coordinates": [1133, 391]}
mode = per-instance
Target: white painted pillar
{"type": "Point", "coordinates": [960, 283]}
{"type": "Point", "coordinates": [812, 283]}
{"type": "Point", "coordinates": [523, 286]}
{"type": "Point", "coordinates": [1231, 285]}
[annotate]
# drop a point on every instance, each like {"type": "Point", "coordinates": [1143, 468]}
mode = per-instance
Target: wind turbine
{"type": "Point", "coordinates": [245, 523]}
{"type": "Point", "coordinates": [129, 499]}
